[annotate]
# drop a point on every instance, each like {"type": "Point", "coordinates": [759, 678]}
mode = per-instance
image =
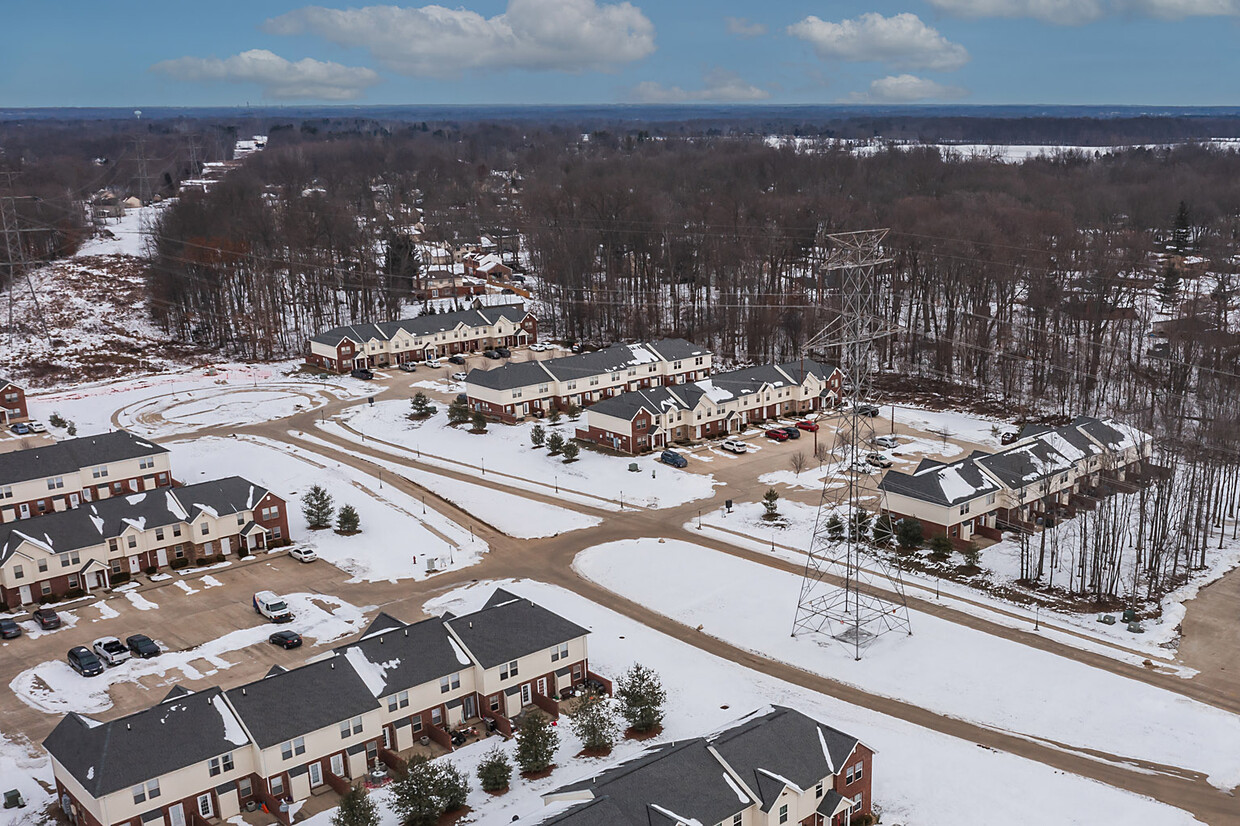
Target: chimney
{"type": "Point", "coordinates": [471, 623]}
{"type": "Point", "coordinates": [128, 727]}
{"type": "Point", "coordinates": [242, 691]}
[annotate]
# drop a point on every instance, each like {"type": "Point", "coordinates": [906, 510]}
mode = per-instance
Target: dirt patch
{"type": "Point", "coordinates": [448, 818]}
{"type": "Point", "coordinates": [630, 734]}
{"type": "Point", "coordinates": [593, 753]}
{"type": "Point", "coordinates": [539, 775]}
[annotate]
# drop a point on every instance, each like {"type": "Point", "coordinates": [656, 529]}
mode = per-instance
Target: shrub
{"type": "Point", "coordinates": [71, 429]}
{"type": "Point", "coordinates": [570, 451]}
{"type": "Point", "coordinates": [908, 534]}
{"type": "Point", "coordinates": [538, 435]}
{"type": "Point", "coordinates": [317, 507]}
{"type": "Point", "coordinates": [596, 723]}
{"type": "Point", "coordinates": [458, 412]}
{"type": "Point", "coordinates": [479, 422]}
{"type": "Point", "coordinates": [74, 593]}
{"type": "Point", "coordinates": [46, 598]}
{"type": "Point", "coordinates": [121, 577]}
{"type": "Point", "coordinates": [972, 554]}
{"type": "Point", "coordinates": [884, 529]}
{"type": "Point", "coordinates": [176, 565]}
{"type": "Point", "coordinates": [356, 809]}
{"type": "Point", "coordinates": [56, 420]}
{"type": "Point", "coordinates": [770, 501]}
{"type": "Point", "coordinates": [420, 406]}
{"type": "Point", "coordinates": [555, 442]}
{"type": "Point", "coordinates": [940, 549]}
{"type": "Point", "coordinates": [536, 743]}
{"type": "Point", "coordinates": [348, 521]}
{"type": "Point", "coordinates": [202, 561]}
{"type": "Point", "coordinates": [641, 697]}
{"type": "Point", "coordinates": [495, 772]}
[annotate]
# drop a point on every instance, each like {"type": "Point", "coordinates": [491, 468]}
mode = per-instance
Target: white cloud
{"type": "Point", "coordinates": [555, 35]}
{"type": "Point", "coordinates": [909, 89]}
{"type": "Point", "coordinates": [280, 79]}
{"type": "Point", "coordinates": [1076, 12]}
{"type": "Point", "coordinates": [742, 27]}
{"type": "Point", "coordinates": [902, 40]}
{"type": "Point", "coordinates": [720, 85]}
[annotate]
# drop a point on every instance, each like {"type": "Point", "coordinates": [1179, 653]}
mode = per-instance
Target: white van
{"type": "Point", "coordinates": [274, 608]}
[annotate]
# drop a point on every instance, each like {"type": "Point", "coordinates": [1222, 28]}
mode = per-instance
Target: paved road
{"type": "Point", "coordinates": [550, 560]}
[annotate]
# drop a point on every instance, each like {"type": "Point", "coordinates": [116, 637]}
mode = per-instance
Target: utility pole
{"type": "Point", "coordinates": [15, 252]}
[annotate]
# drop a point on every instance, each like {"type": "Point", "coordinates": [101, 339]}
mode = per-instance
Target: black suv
{"type": "Point", "coordinates": [492, 354]}
{"type": "Point", "coordinates": [47, 619]}
{"type": "Point", "coordinates": [84, 661]}
{"type": "Point", "coordinates": [140, 645]}
{"type": "Point", "coordinates": [9, 630]}
{"type": "Point", "coordinates": [504, 352]}
{"type": "Point", "coordinates": [362, 373]}
{"type": "Point", "coordinates": [457, 359]}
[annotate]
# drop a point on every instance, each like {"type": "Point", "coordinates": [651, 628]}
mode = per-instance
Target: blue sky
{"type": "Point", "coordinates": [141, 53]}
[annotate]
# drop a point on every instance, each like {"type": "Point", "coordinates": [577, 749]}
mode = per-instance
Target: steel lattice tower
{"type": "Point", "coordinates": [849, 592]}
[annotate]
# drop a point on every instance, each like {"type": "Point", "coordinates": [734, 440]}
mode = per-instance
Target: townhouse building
{"type": "Point", "coordinates": [63, 475]}
{"type": "Point", "coordinates": [1045, 473]}
{"type": "Point", "coordinates": [12, 402]}
{"type": "Point", "coordinates": [427, 336]}
{"type": "Point", "coordinates": [535, 388]}
{"type": "Point", "coordinates": [775, 767]}
{"type": "Point", "coordinates": [86, 548]}
{"type": "Point", "coordinates": [196, 757]}
{"type": "Point", "coordinates": [642, 420]}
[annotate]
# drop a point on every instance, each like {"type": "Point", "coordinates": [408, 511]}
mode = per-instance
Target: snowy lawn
{"type": "Point", "coordinates": [920, 777]}
{"type": "Point", "coordinates": [27, 768]}
{"type": "Point", "coordinates": [397, 537]}
{"type": "Point", "coordinates": [55, 688]}
{"type": "Point", "coordinates": [507, 450]}
{"type": "Point", "coordinates": [993, 682]}
{"type": "Point", "coordinates": [956, 424]}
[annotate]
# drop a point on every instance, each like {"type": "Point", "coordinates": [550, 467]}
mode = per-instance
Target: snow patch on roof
{"type": "Point", "coordinates": [97, 522]}
{"type": "Point", "coordinates": [780, 778]}
{"type": "Point", "coordinates": [233, 732]}
{"type": "Point", "coordinates": [826, 752]}
{"type": "Point", "coordinates": [139, 523]}
{"type": "Point", "coordinates": [744, 798]}
{"type": "Point", "coordinates": [372, 675]}
{"type": "Point", "coordinates": [715, 394]}
{"type": "Point", "coordinates": [207, 509]}
{"type": "Point", "coordinates": [954, 485]}
{"type": "Point", "coordinates": [460, 655]}
{"type": "Point", "coordinates": [135, 498]}
{"type": "Point", "coordinates": [174, 506]}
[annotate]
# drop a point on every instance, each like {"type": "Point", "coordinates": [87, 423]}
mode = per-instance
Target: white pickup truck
{"type": "Point", "coordinates": [274, 608]}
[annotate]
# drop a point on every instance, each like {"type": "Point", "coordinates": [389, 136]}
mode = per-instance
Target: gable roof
{"type": "Point", "coordinates": [183, 729]}
{"type": "Point", "coordinates": [611, 359]}
{"type": "Point", "coordinates": [939, 483]}
{"type": "Point", "coordinates": [405, 656]}
{"type": "Point", "coordinates": [72, 455]}
{"type": "Point", "coordinates": [422, 325]}
{"type": "Point", "coordinates": [509, 627]}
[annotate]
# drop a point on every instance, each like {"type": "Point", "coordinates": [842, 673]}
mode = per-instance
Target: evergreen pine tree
{"type": "Point", "coordinates": [316, 506]}
{"type": "Point", "coordinates": [859, 524]}
{"type": "Point", "coordinates": [770, 502]}
{"type": "Point", "coordinates": [495, 772]}
{"type": "Point", "coordinates": [884, 529]}
{"type": "Point", "coordinates": [479, 422]}
{"type": "Point", "coordinates": [421, 406]}
{"type": "Point", "coordinates": [555, 442]}
{"type": "Point", "coordinates": [347, 521]}
{"type": "Point", "coordinates": [908, 534]}
{"type": "Point", "coordinates": [596, 723]}
{"type": "Point", "coordinates": [356, 809]}
{"type": "Point", "coordinates": [556, 415]}
{"type": "Point", "coordinates": [452, 786]}
{"type": "Point", "coordinates": [536, 743]}
{"type": "Point", "coordinates": [570, 451]}
{"type": "Point", "coordinates": [458, 412]}
{"type": "Point", "coordinates": [1168, 286]}
{"type": "Point", "coordinates": [940, 549]}
{"type": "Point", "coordinates": [538, 435]}
{"type": "Point", "coordinates": [641, 697]}
{"type": "Point", "coordinates": [415, 797]}
{"type": "Point", "coordinates": [835, 527]}
{"type": "Point", "coordinates": [1180, 234]}
{"type": "Point", "coordinates": [574, 412]}
{"type": "Point", "coordinates": [972, 555]}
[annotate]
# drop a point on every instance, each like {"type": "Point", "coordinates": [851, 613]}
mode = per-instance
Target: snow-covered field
{"type": "Point", "coordinates": [943, 666]}
{"type": "Point", "coordinates": [921, 778]}
{"type": "Point", "coordinates": [397, 536]}
{"type": "Point", "coordinates": [55, 688]}
{"type": "Point", "coordinates": [25, 767]}
{"type": "Point", "coordinates": [506, 450]}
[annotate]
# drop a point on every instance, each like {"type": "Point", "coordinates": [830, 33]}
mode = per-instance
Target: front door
{"type": "Point", "coordinates": [471, 710]}
{"type": "Point", "coordinates": [161, 557]}
{"type": "Point", "coordinates": [24, 595]}
{"type": "Point", "coordinates": [316, 775]}
{"type": "Point", "coordinates": [73, 500]}
{"type": "Point", "coordinates": [338, 765]}
{"type": "Point", "coordinates": [23, 510]}
{"type": "Point", "coordinates": [176, 814]}
{"type": "Point", "coordinates": [225, 545]}
{"type": "Point", "coordinates": [206, 807]}
{"type": "Point", "coordinates": [133, 565]}
{"type": "Point", "coordinates": [542, 686]}
{"type": "Point", "coordinates": [525, 694]}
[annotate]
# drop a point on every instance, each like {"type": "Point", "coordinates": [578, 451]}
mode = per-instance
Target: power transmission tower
{"type": "Point", "coordinates": [15, 253]}
{"type": "Point", "coordinates": [144, 189]}
{"type": "Point", "coordinates": [848, 591]}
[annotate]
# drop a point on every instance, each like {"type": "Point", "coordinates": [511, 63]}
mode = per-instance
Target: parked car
{"type": "Point", "coordinates": [864, 409]}
{"type": "Point", "coordinates": [507, 291]}
{"type": "Point", "coordinates": [808, 426]}
{"type": "Point", "coordinates": [539, 347]}
{"type": "Point", "coordinates": [671, 457]}
{"type": "Point", "coordinates": [267, 604]}
{"type": "Point", "coordinates": [518, 277]}
{"type": "Point", "coordinates": [21, 429]}
{"type": "Point", "coordinates": [734, 446]}
{"type": "Point", "coordinates": [861, 467]}
{"type": "Point", "coordinates": [110, 650]}
{"type": "Point", "coordinates": [285, 639]}
{"type": "Point", "coordinates": [362, 373]}
{"type": "Point", "coordinates": [879, 459]}
{"type": "Point", "coordinates": [38, 427]}
{"type": "Point", "coordinates": [458, 359]}
{"type": "Point", "coordinates": [9, 630]}
{"type": "Point", "coordinates": [83, 661]}
{"type": "Point", "coordinates": [776, 433]}
{"type": "Point", "coordinates": [491, 354]}
{"type": "Point", "coordinates": [459, 376]}
{"type": "Point", "coordinates": [793, 432]}
{"type": "Point", "coordinates": [886, 441]}
{"type": "Point", "coordinates": [142, 646]}
{"type": "Point", "coordinates": [408, 366]}
{"type": "Point", "coordinates": [1009, 437]}
{"type": "Point", "coordinates": [504, 352]}
{"type": "Point", "coordinates": [434, 364]}
{"type": "Point", "coordinates": [303, 554]}
{"type": "Point", "coordinates": [47, 618]}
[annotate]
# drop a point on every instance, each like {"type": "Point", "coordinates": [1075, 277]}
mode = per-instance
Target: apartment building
{"type": "Point", "coordinates": [642, 420]}
{"type": "Point", "coordinates": [428, 336]}
{"type": "Point", "coordinates": [63, 475]}
{"type": "Point", "coordinates": [202, 756]}
{"type": "Point", "coordinates": [12, 402]}
{"type": "Point", "coordinates": [775, 767]}
{"type": "Point", "coordinates": [535, 388]}
{"type": "Point", "coordinates": [1046, 472]}
{"type": "Point", "coordinates": [87, 547]}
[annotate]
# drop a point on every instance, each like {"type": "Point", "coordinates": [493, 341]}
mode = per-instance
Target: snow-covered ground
{"type": "Point", "coordinates": [944, 667]}
{"type": "Point", "coordinates": [55, 688]}
{"type": "Point", "coordinates": [506, 450]}
{"type": "Point", "coordinates": [27, 768]}
{"type": "Point", "coordinates": [921, 778]}
{"type": "Point", "coordinates": [399, 534]}
{"type": "Point", "coordinates": [513, 514]}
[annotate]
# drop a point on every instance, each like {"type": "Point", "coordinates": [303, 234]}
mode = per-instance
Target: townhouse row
{"type": "Point", "coordinates": [99, 543]}
{"type": "Point", "coordinates": [63, 475]}
{"type": "Point", "coordinates": [775, 767]}
{"type": "Point", "coordinates": [642, 420]}
{"type": "Point", "coordinates": [207, 755]}
{"type": "Point", "coordinates": [1047, 471]}
{"type": "Point", "coordinates": [536, 388]}
{"type": "Point", "coordinates": [386, 343]}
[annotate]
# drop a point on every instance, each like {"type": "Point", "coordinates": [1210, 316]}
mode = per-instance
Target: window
{"type": "Point", "coordinates": [176, 530]}
{"type": "Point", "coordinates": [221, 764]}
{"type": "Point", "coordinates": [100, 472]}
{"type": "Point", "coordinates": [73, 580]}
{"type": "Point", "coordinates": [990, 500]}
{"type": "Point", "coordinates": [139, 793]}
{"type": "Point", "coordinates": [116, 566]}
{"type": "Point", "coordinates": [447, 684]}
{"type": "Point", "coordinates": [6, 492]}
{"type": "Point", "coordinates": [291, 747]}
{"type": "Point", "coordinates": [964, 508]}
{"type": "Point", "coordinates": [516, 394]}
{"type": "Point", "coordinates": [17, 572]}
{"type": "Point", "coordinates": [64, 560]}
{"type": "Point", "coordinates": [857, 769]}
{"type": "Point", "coordinates": [244, 789]}
{"type": "Point", "coordinates": [572, 385]}
{"type": "Point", "coordinates": [132, 540]}
{"type": "Point", "coordinates": [494, 702]}
{"type": "Point", "coordinates": [45, 588]}
{"type": "Point", "coordinates": [857, 800]}
{"type": "Point", "coordinates": [509, 670]}
{"type": "Point", "coordinates": [577, 672]}
{"type": "Point", "coordinates": [55, 483]}
{"type": "Point", "coordinates": [560, 653]}
{"type": "Point", "coordinates": [241, 519]}
{"type": "Point", "coordinates": [179, 552]}
{"type": "Point", "coordinates": [159, 534]}
{"type": "Point", "coordinates": [146, 462]}
{"type": "Point", "coordinates": [417, 723]}
{"type": "Point", "coordinates": [272, 512]}
{"type": "Point", "coordinates": [737, 819]}
{"type": "Point", "coordinates": [277, 786]}
{"type": "Point", "coordinates": [400, 700]}
{"type": "Point", "coordinates": [204, 529]}
{"type": "Point", "coordinates": [783, 813]}
{"type": "Point", "coordinates": [436, 716]}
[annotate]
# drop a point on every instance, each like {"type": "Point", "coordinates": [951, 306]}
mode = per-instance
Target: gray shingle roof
{"type": "Point", "coordinates": [422, 325]}
{"type": "Point", "coordinates": [410, 654]}
{"type": "Point", "coordinates": [180, 731]}
{"type": "Point", "coordinates": [611, 359]}
{"type": "Point", "coordinates": [73, 454]}
{"type": "Point", "coordinates": [512, 375]}
{"type": "Point", "coordinates": [301, 700]}
{"type": "Point", "coordinates": [509, 627]}
{"type": "Point", "coordinates": [939, 483]}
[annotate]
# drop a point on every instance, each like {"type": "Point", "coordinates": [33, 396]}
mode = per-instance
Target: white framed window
{"type": "Point", "coordinates": [398, 700]}
{"type": "Point", "coordinates": [449, 683]}
{"type": "Point", "coordinates": [509, 670]}
{"type": "Point", "coordinates": [783, 813]}
{"type": "Point", "coordinates": [857, 769]}
{"type": "Point", "coordinates": [6, 492]}
{"type": "Point", "coordinates": [221, 764]}
{"type": "Point", "coordinates": [100, 472]}
{"type": "Point", "coordinates": [204, 529]}
{"type": "Point", "coordinates": [159, 534]}
{"type": "Point", "coordinates": [55, 483]}
{"type": "Point", "coordinates": [436, 716]}
{"type": "Point", "coordinates": [560, 653]}
{"type": "Point", "coordinates": [146, 462]}
{"type": "Point", "coordinates": [277, 786]}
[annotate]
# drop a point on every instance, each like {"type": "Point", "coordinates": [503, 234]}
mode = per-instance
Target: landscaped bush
{"type": "Point", "coordinates": [202, 561]}
{"type": "Point", "coordinates": [176, 565]}
{"type": "Point", "coordinates": [120, 578]}
{"type": "Point", "coordinates": [46, 598]}
{"type": "Point", "coordinates": [74, 593]}
{"type": "Point", "coordinates": [151, 570]}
